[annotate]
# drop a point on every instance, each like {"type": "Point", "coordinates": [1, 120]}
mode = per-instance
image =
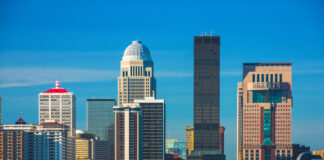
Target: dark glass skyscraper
{"type": "Point", "coordinates": [206, 98]}
{"type": "Point", "coordinates": [100, 120]}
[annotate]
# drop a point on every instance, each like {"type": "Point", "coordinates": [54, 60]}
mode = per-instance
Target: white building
{"type": "Point", "coordinates": [59, 105]}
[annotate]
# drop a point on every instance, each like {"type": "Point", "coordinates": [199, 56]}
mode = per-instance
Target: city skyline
{"type": "Point", "coordinates": [30, 51]}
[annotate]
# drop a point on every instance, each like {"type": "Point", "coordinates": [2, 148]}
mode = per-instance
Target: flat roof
{"type": "Point", "coordinates": [283, 63]}
{"type": "Point", "coordinates": [93, 99]}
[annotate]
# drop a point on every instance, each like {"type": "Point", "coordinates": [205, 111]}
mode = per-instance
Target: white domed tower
{"type": "Point", "coordinates": [136, 80]}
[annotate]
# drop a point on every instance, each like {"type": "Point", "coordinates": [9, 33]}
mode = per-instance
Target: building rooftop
{"type": "Point", "coordinates": [57, 88]}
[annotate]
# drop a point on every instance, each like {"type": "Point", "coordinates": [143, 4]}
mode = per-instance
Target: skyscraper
{"type": "Point", "coordinates": [265, 103]}
{"type": "Point", "coordinates": [206, 98]}
{"type": "Point", "coordinates": [58, 104]}
{"type": "Point", "coordinates": [136, 80]}
{"type": "Point", "coordinates": [128, 132]}
{"type": "Point", "coordinates": [100, 120]}
{"type": "Point", "coordinates": [153, 112]}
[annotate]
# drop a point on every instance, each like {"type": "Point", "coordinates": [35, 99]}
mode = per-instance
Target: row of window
{"type": "Point", "coordinates": [265, 78]}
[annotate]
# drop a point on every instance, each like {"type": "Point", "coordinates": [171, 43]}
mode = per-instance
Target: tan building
{"type": "Point", "coordinates": [265, 108]}
{"type": "Point", "coordinates": [84, 146]}
{"type": "Point", "coordinates": [320, 153]}
{"type": "Point", "coordinates": [189, 140]}
{"type": "Point", "coordinates": [136, 79]}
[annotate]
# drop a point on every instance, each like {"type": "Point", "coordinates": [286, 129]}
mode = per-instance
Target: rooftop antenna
{"type": "Point", "coordinates": [57, 84]}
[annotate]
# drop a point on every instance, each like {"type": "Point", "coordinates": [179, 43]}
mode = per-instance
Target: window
{"type": "Point", "coordinates": [276, 77]}
{"type": "Point", "coordinates": [259, 96]}
{"type": "Point", "coordinates": [280, 78]}
{"type": "Point", "coordinates": [267, 77]}
{"type": "Point", "coordinates": [271, 77]}
{"type": "Point", "coordinates": [258, 78]}
{"type": "Point", "coordinates": [262, 77]}
{"type": "Point", "coordinates": [275, 96]}
{"type": "Point", "coordinates": [253, 78]}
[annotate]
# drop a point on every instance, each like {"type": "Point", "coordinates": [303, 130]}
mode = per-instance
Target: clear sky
{"type": "Point", "coordinates": [82, 42]}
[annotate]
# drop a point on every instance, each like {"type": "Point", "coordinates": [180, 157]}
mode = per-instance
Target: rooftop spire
{"type": "Point", "coordinates": [57, 84]}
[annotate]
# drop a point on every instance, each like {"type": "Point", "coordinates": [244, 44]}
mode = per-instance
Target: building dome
{"type": "Point", "coordinates": [137, 51]}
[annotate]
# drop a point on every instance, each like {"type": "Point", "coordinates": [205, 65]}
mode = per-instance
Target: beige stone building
{"type": "Point", "coordinates": [136, 80]}
{"type": "Point", "coordinates": [189, 140]}
{"type": "Point", "coordinates": [265, 95]}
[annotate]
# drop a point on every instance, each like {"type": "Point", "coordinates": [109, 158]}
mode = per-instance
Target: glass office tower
{"type": "Point", "coordinates": [100, 120]}
{"type": "Point", "coordinates": [206, 98]}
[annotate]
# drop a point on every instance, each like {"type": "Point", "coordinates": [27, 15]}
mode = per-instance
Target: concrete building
{"type": "Point", "coordinates": [189, 140]}
{"type": "Point", "coordinates": [221, 139]}
{"type": "Point", "coordinates": [153, 112]}
{"type": "Point", "coordinates": [265, 103]}
{"type": "Point", "coordinates": [12, 138]}
{"type": "Point", "coordinates": [58, 104]}
{"type": "Point", "coordinates": [128, 132]}
{"type": "Point", "coordinates": [48, 140]}
{"type": "Point", "coordinates": [206, 98]}
{"type": "Point", "coordinates": [84, 145]}
{"type": "Point", "coordinates": [172, 146]}
{"type": "Point", "coordinates": [101, 121]}
{"type": "Point", "coordinates": [136, 80]}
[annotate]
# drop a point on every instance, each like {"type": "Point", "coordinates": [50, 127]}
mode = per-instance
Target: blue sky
{"type": "Point", "coordinates": [82, 43]}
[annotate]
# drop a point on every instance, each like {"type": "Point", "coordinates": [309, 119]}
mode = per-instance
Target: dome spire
{"type": "Point", "coordinates": [137, 51]}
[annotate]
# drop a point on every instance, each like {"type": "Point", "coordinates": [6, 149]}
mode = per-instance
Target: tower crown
{"type": "Point", "coordinates": [137, 51]}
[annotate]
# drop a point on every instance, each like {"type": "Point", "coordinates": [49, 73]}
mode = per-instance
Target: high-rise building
{"type": "Point", "coordinates": [128, 132]}
{"type": "Point", "coordinates": [100, 120]}
{"type": "Point", "coordinates": [58, 104]}
{"type": "Point", "coordinates": [136, 80]}
{"type": "Point", "coordinates": [265, 103]}
{"type": "Point", "coordinates": [206, 98]}
{"type": "Point", "coordinates": [239, 121]}
{"type": "Point", "coordinates": [153, 111]}
{"type": "Point", "coordinates": [189, 140]}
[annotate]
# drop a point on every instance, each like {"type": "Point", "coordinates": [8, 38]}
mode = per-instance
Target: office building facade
{"type": "Point", "coordinates": [100, 120]}
{"type": "Point", "coordinates": [136, 80]}
{"type": "Point", "coordinates": [128, 132]}
{"type": "Point", "coordinates": [206, 98]}
{"type": "Point", "coordinates": [265, 107]}
{"type": "Point", "coordinates": [153, 113]}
